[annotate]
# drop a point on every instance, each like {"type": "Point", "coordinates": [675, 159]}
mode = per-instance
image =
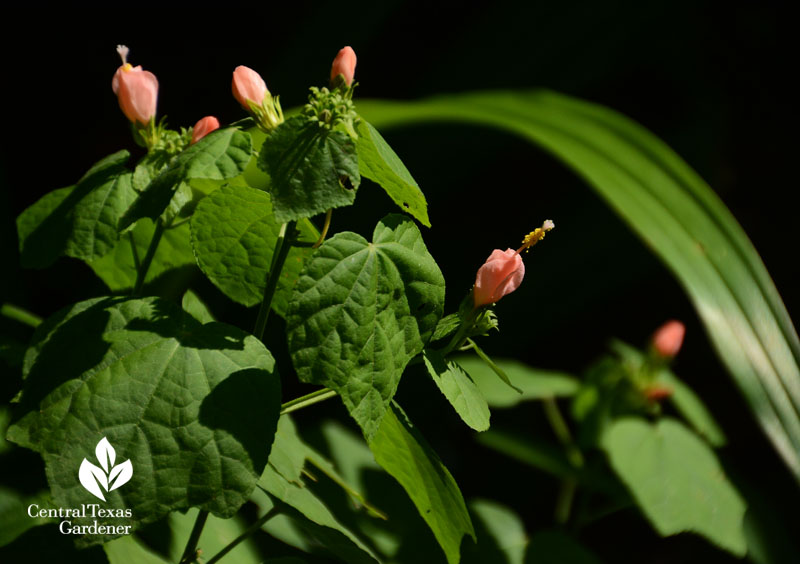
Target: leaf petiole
{"type": "Point", "coordinates": [282, 248]}
{"type": "Point", "coordinates": [306, 400]}
{"type": "Point", "coordinates": [148, 257]}
{"type": "Point", "coordinates": [190, 552]}
{"type": "Point", "coordinates": [19, 314]}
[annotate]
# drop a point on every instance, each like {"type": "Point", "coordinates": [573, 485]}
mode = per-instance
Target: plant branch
{"type": "Point", "coordinates": [561, 430]}
{"type": "Point", "coordinates": [190, 552]}
{"type": "Point", "coordinates": [250, 530]}
{"type": "Point", "coordinates": [570, 484]}
{"type": "Point", "coordinates": [19, 314]}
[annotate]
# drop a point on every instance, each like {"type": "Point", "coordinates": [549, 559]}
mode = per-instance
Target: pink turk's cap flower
{"type": "Point", "coordinates": [668, 338]}
{"type": "Point", "coordinates": [503, 271]}
{"type": "Point", "coordinates": [136, 90]}
{"type": "Point", "coordinates": [344, 64]}
{"type": "Point", "coordinates": [248, 85]}
{"type": "Point", "coordinates": [501, 274]}
{"type": "Point", "coordinates": [203, 128]}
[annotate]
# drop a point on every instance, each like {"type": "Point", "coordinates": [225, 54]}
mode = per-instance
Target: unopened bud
{"type": "Point", "coordinates": [204, 127]}
{"type": "Point", "coordinates": [248, 86]}
{"type": "Point", "coordinates": [656, 393]}
{"type": "Point", "coordinates": [344, 64]}
{"type": "Point", "coordinates": [668, 338]}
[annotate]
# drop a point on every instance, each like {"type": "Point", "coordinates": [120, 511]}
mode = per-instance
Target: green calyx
{"type": "Point", "coordinates": [268, 114]}
{"type": "Point", "coordinates": [157, 138]}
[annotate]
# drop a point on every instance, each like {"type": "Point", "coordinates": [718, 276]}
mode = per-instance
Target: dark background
{"type": "Point", "coordinates": [712, 80]}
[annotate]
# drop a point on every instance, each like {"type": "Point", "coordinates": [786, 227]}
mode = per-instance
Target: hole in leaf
{"type": "Point", "coordinates": [346, 183]}
{"type": "Point", "coordinates": [405, 205]}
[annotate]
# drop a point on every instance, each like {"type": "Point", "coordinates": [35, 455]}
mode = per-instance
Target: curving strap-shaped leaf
{"type": "Point", "coordinates": [675, 212]}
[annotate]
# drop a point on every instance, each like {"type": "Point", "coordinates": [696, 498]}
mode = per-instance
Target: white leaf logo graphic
{"type": "Point", "coordinates": [110, 477]}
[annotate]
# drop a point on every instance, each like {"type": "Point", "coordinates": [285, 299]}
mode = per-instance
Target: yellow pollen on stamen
{"type": "Point", "coordinates": [127, 67]}
{"type": "Point", "coordinates": [535, 236]}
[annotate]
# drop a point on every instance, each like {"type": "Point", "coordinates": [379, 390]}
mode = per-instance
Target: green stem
{"type": "Point", "coordinates": [282, 247]}
{"type": "Point", "coordinates": [250, 530]}
{"type": "Point", "coordinates": [569, 485]}
{"type": "Point", "coordinates": [148, 257]}
{"type": "Point", "coordinates": [564, 500]}
{"type": "Point", "coordinates": [190, 553]}
{"type": "Point", "coordinates": [18, 314]}
{"type": "Point", "coordinates": [462, 333]}
{"type": "Point", "coordinates": [136, 262]}
{"type": "Point", "coordinates": [306, 400]}
{"type": "Point", "coordinates": [561, 430]}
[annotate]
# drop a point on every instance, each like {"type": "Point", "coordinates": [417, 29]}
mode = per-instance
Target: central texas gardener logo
{"type": "Point", "coordinates": [109, 476]}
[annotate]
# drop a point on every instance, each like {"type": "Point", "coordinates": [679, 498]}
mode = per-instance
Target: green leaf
{"type": "Point", "coordinates": [504, 538]}
{"type": "Point", "coordinates": [194, 306]}
{"type": "Point", "coordinates": [337, 538]}
{"type": "Point", "coordinates": [14, 519]}
{"type": "Point", "coordinates": [289, 455]}
{"type": "Point", "coordinates": [692, 408]}
{"type": "Point", "coordinates": [447, 325]}
{"type": "Point", "coordinates": [676, 214]}
{"type": "Point", "coordinates": [349, 452]}
{"type": "Point", "coordinates": [194, 407]}
{"type": "Point", "coordinates": [217, 534]}
{"type": "Point", "coordinates": [402, 451]}
{"type": "Point", "coordinates": [118, 268]}
{"type": "Point", "coordinates": [127, 549]}
{"type": "Point", "coordinates": [233, 235]}
{"type": "Point", "coordinates": [378, 162]}
{"type": "Point", "coordinates": [220, 155]}
{"type": "Point", "coordinates": [676, 481]}
{"type": "Point", "coordinates": [459, 390]}
{"type": "Point", "coordinates": [534, 383]}
{"type": "Point", "coordinates": [557, 547]}
{"type": "Point", "coordinates": [79, 221]}
{"type": "Point", "coordinates": [313, 169]}
{"type": "Point", "coordinates": [361, 311]}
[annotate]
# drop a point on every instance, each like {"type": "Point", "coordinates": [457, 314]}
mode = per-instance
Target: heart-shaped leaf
{"type": "Point", "coordinates": [676, 480]}
{"type": "Point", "coordinates": [79, 221]}
{"type": "Point", "coordinates": [361, 311]}
{"type": "Point", "coordinates": [192, 407]}
{"type": "Point", "coordinates": [313, 169]}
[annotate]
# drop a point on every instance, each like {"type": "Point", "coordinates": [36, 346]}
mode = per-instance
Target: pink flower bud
{"type": "Point", "coordinates": [204, 127]}
{"type": "Point", "coordinates": [248, 86]}
{"type": "Point", "coordinates": [136, 90]}
{"type": "Point", "coordinates": [344, 64]}
{"type": "Point", "coordinates": [657, 392]}
{"type": "Point", "coordinates": [668, 338]}
{"type": "Point", "coordinates": [501, 274]}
